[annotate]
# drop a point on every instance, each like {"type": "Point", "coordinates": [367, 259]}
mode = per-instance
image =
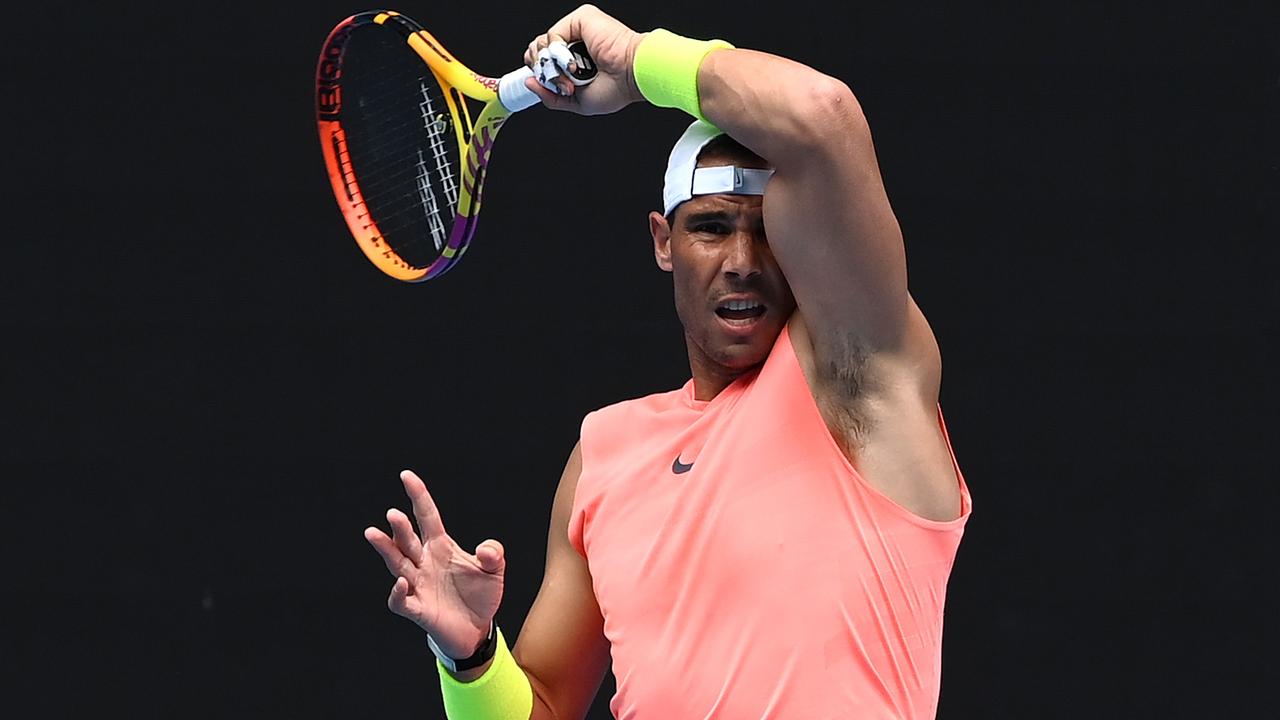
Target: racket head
{"type": "Point", "coordinates": [400, 147]}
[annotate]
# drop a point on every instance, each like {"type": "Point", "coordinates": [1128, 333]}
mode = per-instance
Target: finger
{"type": "Point", "coordinates": [535, 46]}
{"type": "Point", "coordinates": [424, 508]}
{"type": "Point", "coordinates": [546, 71]}
{"type": "Point", "coordinates": [561, 60]}
{"type": "Point", "coordinates": [570, 26]}
{"type": "Point", "coordinates": [559, 52]}
{"type": "Point", "coordinates": [565, 27]}
{"type": "Point", "coordinates": [397, 564]}
{"type": "Point", "coordinates": [551, 74]}
{"type": "Point", "coordinates": [404, 536]}
{"type": "Point", "coordinates": [491, 556]}
{"type": "Point", "coordinates": [398, 600]}
{"type": "Point", "coordinates": [548, 98]}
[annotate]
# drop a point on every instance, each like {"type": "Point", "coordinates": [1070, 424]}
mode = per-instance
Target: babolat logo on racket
{"type": "Point", "coordinates": [405, 157]}
{"type": "Point", "coordinates": [328, 72]}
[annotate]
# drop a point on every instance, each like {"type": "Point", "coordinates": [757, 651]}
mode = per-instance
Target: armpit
{"type": "Point", "coordinates": [842, 384]}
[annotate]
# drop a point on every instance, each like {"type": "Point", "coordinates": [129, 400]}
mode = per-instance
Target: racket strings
{"type": "Point", "coordinates": [383, 136]}
{"type": "Point", "coordinates": [436, 131]}
{"type": "Point", "coordinates": [438, 126]}
{"type": "Point", "coordinates": [399, 138]}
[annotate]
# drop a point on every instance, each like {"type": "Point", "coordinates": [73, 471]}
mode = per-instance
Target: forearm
{"type": "Point", "coordinates": [498, 690]}
{"type": "Point", "coordinates": [541, 706]}
{"type": "Point", "coordinates": [829, 222]}
{"type": "Point", "coordinates": [785, 111]}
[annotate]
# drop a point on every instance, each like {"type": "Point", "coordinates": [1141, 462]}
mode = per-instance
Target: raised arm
{"type": "Point", "coordinates": [826, 214]}
{"type": "Point", "coordinates": [868, 354]}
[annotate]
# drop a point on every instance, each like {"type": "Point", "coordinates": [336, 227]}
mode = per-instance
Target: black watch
{"type": "Point", "coordinates": [487, 650]}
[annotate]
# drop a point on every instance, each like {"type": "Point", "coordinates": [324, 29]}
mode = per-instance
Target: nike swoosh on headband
{"type": "Point", "coordinates": [730, 179]}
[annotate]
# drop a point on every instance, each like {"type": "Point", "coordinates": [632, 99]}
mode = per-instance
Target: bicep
{"type": "Point", "coordinates": [562, 647]}
{"type": "Point", "coordinates": [833, 231]}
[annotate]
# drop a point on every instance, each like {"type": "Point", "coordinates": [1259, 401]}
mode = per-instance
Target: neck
{"type": "Point", "coordinates": [710, 377]}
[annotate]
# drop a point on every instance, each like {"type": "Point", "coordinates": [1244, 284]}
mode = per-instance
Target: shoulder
{"type": "Point", "coordinates": [562, 507]}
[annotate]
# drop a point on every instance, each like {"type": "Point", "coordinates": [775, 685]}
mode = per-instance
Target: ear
{"type": "Point", "coordinates": [661, 233]}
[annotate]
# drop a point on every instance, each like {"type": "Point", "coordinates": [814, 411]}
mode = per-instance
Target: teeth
{"type": "Point", "coordinates": [742, 305]}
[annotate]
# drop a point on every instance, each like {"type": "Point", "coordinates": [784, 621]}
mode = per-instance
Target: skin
{"type": "Point", "coordinates": [822, 250]}
{"type": "Point", "coordinates": [715, 247]}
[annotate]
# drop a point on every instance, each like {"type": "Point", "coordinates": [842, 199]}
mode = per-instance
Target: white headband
{"type": "Point", "coordinates": [684, 179]}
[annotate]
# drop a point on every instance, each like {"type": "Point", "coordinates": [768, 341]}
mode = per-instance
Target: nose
{"type": "Point", "coordinates": [742, 259]}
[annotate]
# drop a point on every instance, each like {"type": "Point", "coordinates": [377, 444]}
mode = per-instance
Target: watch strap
{"type": "Point", "coordinates": [481, 656]}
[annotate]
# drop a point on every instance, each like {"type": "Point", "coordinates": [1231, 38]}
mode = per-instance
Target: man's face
{"type": "Point", "coordinates": [730, 294]}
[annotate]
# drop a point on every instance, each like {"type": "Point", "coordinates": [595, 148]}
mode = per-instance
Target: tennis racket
{"type": "Point", "coordinates": [406, 159]}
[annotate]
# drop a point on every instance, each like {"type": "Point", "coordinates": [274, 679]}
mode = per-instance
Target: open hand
{"type": "Point", "coordinates": [450, 593]}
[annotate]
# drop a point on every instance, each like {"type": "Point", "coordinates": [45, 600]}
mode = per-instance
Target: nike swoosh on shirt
{"type": "Point", "coordinates": [678, 467]}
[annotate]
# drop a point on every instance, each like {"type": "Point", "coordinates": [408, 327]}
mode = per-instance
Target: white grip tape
{"type": "Point", "coordinates": [560, 58]}
{"type": "Point", "coordinates": [512, 93]}
{"type": "Point", "coordinates": [548, 70]}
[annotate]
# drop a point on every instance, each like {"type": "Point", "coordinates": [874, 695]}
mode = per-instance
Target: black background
{"type": "Point", "coordinates": [208, 392]}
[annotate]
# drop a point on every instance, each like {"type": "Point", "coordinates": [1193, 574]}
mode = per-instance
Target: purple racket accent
{"type": "Point", "coordinates": [464, 226]}
{"type": "Point", "coordinates": [381, 73]}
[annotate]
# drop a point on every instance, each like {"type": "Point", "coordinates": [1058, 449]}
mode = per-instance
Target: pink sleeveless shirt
{"type": "Point", "coordinates": [743, 567]}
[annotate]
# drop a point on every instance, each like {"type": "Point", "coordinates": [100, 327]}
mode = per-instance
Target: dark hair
{"type": "Point", "coordinates": [723, 145]}
{"type": "Point", "coordinates": [720, 146]}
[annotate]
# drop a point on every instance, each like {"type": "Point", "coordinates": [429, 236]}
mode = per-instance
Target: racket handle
{"type": "Point", "coordinates": [515, 96]}
{"type": "Point", "coordinates": [512, 92]}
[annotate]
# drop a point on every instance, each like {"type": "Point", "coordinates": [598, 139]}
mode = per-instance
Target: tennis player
{"type": "Point", "coordinates": [773, 539]}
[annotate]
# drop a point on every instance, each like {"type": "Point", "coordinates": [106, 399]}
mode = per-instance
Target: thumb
{"type": "Point", "coordinates": [491, 556]}
{"type": "Point", "coordinates": [549, 99]}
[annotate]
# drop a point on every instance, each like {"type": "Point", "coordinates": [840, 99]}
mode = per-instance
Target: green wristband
{"type": "Point", "coordinates": [501, 693]}
{"type": "Point", "coordinates": [666, 69]}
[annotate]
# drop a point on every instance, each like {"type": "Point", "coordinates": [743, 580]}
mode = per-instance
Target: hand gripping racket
{"type": "Point", "coordinates": [406, 160]}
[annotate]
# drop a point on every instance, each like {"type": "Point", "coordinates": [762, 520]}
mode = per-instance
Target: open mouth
{"type": "Point", "coordinates": [740, 313]}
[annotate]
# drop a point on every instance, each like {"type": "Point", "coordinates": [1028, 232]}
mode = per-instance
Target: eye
{"type": "Point", "coordinates": [713, 228]}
